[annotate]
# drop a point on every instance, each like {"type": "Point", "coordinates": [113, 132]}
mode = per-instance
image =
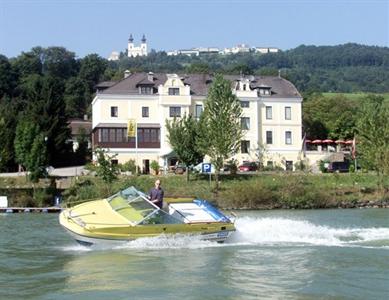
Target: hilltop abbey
{"type": "Point", "coordinates": [134, 51]}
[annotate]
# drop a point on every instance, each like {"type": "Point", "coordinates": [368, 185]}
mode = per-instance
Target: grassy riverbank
{"type": "Point", "coordinates": [259, 191]}
{"type": "Point", "coordinates": [263, 191]}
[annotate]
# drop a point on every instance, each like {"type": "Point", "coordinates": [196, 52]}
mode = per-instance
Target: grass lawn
{"type": "Point", "coordinates": [262, 190]}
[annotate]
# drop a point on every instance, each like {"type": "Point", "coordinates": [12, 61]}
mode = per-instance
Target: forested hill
{"type": "Point", "coordinates": [342, 68]}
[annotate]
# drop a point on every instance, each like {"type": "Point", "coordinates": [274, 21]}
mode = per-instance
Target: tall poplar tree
{"type": "Point", "coordinates": [220, 128]}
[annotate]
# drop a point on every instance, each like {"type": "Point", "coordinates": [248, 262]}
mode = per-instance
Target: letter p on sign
{"type": "Point", "coordinates": [206, 168]}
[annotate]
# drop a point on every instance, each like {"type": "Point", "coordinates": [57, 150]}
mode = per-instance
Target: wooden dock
{"type": "Point", "coordinates": [10, 210]}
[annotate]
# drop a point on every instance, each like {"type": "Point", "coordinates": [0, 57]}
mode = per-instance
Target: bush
{"type": "Point", "coordinates": [301, 165]}
{"type": "Point", "coordinates": [155, 167]}
{"type": "Point", "coordinates": [91, 167]}
{"type": "Point", "coordinates": [128, 166]}
{"type": "Point", "coordinates": [250, 195]}
{"type": "Point", "coordinates": [322, 166]}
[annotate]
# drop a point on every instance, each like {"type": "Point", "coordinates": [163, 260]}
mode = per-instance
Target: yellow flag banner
{"type": "Point", "coordinates": [131, 128]}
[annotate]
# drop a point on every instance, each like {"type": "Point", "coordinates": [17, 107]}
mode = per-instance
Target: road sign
{"type": "Point", "coordinates": [206, 168]}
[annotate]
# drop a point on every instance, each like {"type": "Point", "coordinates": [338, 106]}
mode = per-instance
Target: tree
{"type": "Point", "coordinates": [26, 131]}
{"type": "Point", "coordinates": [58, 62]}
{"type": "Point", "coordinates": [8, 110]}
{"type": "Point", "coordinates": [92, 69]}
{"type": "Point", "coordinates": [198, 68]}
{"type": "Point", "coordinates": [182, 135]}
{"type": "Point", "coordinates": [30, 148]}
{"type": "Point", "coordinates": [77, 97]}
{"type": "Point", "coordinates": [329, 117]}
{"type": "Point", "coordinates": [27, 63]}
{"type": "Point", "coordinates": [47, 108]}
{"type": "Point", "coordinates": [37, 161]}
{"type": "Point", "coordinates": [221, 131]}
{"type": "Point", "coordinates": [7, 77]}
{"type": "Point", "coordinates": [82, 153]}
{"type": "Point", "coordinates": [106, 169]}
{"type": "Point", "coordinates": [373, 135]}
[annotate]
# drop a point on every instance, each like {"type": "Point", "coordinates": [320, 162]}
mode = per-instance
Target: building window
{"type": "Point", "coordinates": [288, 113]}
{"type": "Point", "coordinates": [244, 87]}
{"type": "Point", "coordinates": [244, 103]}
{"type": "Point", "coordinates": [175, 111]}
{"type": "Point", "coordinates": [288, 137]}
{"type": "Point", "coordinates": [112, 135]}
{"type": "Point", "coordinates": [114, 111]}
{"type": "Point", "coordinates": [244, 146]}
{"type": "Point", "coordinates": [198, 110]}
{"type": "Point", "coordinates": [103, 135]}
{"type": "Point", "coordinates": [264, 91]}
{"type": "Point", "coordinates": [148, 135]}
{"type": "Point", "coordinates": [269, 137]}
{"type": "Point", "coordinates": [146, 90]}
{"type": "Point", "coordinates": [145, 111]}
{"type": "Point", "coordinates": [174, 91]}
{"type": "Point", "coordinates": [245, 123]}
{"type": "Point", "coordinates": [269, 113]}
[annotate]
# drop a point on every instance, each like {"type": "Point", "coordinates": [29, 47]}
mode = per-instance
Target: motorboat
{"type": "Point", "coordinates": [129, 215]}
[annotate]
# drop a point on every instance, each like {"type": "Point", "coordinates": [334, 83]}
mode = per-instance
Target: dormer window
{"type": "Point", "coordinates": [146, 90]}
{"type": "Point", "coordinates": [265, 91]}
{"type": "Point", "coordinates": [244, 87]}
{"type": "Point", "coordinates": [174, 91]}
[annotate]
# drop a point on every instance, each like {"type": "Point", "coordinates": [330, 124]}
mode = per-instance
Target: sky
{"type": "Point", "coordinates": [86, 26]}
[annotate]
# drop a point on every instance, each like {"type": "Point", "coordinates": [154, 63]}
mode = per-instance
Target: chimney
{"type": "Point", "coordinates": [127, 73]}
{"type": "Point", "coordinates": [279, 73]}
{"type": "Point", "coordinates": [150, 76]}
{"type": "Point", "coordinates": [85, 117]}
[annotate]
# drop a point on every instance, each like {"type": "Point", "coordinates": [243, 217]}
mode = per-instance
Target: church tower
{"type": "Point", "coordinates": [134, 51]}
{"type": "Point", "coordinates": [143, 46]}
{"type": "Point", "coordinates": [130, 44]}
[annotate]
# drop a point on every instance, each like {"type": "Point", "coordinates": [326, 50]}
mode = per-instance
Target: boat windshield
{"type": "Point", "coordinates": [137, 209]}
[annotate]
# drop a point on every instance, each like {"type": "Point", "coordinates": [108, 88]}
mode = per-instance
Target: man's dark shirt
{"type": "Point", "coordinates": [156, 194]}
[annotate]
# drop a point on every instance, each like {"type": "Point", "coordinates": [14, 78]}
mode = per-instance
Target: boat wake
{"type": "Point", "coordinates": [288, 231]}
{"type": "Point", "coordinates": [270, 232]}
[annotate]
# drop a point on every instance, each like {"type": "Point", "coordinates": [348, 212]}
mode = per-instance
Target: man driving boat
{"type": "Point", "coordinates": [156, 194]}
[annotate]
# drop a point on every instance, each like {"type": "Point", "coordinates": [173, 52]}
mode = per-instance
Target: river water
{"type": "Point", "coordinates": [282, 254]}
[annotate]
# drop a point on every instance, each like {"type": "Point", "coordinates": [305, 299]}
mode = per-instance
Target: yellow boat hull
{"type": "Point", "coordinates": [96, 223]}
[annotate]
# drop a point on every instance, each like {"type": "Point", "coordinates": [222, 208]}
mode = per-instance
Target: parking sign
{"type": "Point", "coordinates": [206, 168]}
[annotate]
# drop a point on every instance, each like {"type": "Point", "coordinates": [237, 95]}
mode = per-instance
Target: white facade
{"type": "Point", "coordinates": [271, 123]}
{"type": "Point", "coordinates": [134, 51]}
{"type": "Point", "coordinates": [114, 56]}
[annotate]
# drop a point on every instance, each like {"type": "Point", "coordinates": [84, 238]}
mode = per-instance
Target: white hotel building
{"type": "Point", "coordinates": [271, 116]}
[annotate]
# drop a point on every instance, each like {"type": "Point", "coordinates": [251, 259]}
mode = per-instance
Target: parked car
{"type": "Point", "coordinates": [338, 166]}
{"type": "Point", "coordinates": [199, 168]}
{"type": "Point", "coordinates": [180, 169]}
{"type": "Point", "coordinates": [248, 166]}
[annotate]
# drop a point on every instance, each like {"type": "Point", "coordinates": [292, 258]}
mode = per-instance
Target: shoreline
{"type": "Point", "coordinates": [241, 192]}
